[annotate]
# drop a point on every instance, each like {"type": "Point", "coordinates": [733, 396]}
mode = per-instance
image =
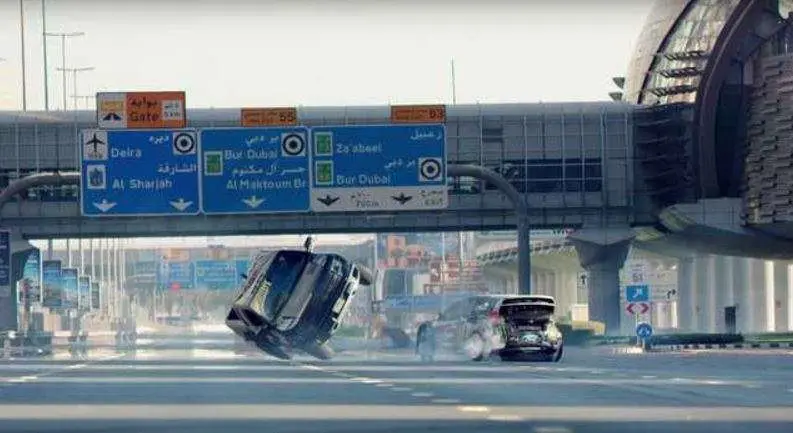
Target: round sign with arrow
{"type": "Point", "coordinates": [644, 330]}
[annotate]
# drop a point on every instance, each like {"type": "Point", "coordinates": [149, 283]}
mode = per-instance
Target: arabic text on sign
{"type": "Point", "coordinates": [418, 114]}
{"type": "Point", "coordinates": [269, 117]}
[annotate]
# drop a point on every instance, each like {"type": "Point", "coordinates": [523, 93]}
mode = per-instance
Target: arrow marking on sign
{"type": "Point", "coordinates": [181, 204]}
{"type": "Point", "coordinates": [253, 202]}
{"type": "Point", "coordinates": [402, 198]}
{"type": "Point", "coordinates": [111, 116]}
{"type": "Point", "coordinates": [104, 205]}
{"type": "Point", "coordinates": [328, 200]}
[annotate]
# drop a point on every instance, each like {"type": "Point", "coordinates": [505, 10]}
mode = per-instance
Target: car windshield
{"type": "Point", "coordinates": [283, 275]}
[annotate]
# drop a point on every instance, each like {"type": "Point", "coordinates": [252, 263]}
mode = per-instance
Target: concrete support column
{"type": "Point", "coordinates": [706, 295]}
{"type": "Point", "coordinates": [759, 288]}
{"type": "Point", "coordinates": [686, 304]}
{"type": "Point", "coordinates": [779, 297]}
{"type": "Point", "coordinates": [784, 321]}
{"type": "Point", "coordinates": [723, 289]}
{"type": "Point", "coordinates": [535, 280]}
{"type": "Point", "coordinates": [744, 314]}
{"type": "Point", "coordinates": [603, 264]}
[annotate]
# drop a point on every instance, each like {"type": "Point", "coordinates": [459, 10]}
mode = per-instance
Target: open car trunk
{"type": "Point", "coordinates": [528, 312]}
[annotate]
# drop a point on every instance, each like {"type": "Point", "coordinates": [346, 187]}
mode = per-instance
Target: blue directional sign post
{"type": "Point", "coordinates": [378, 167]}
{"type": "Point", "coordinates": [139, 172]}
{"type": "Point", "coordinates": [178, 275]}
{"type": "Point", "coordinates": [644, 331]}
{"type": "Point", "coordinates": [255, 170]}
{"type": "Point", "coordinates": [637, 293]}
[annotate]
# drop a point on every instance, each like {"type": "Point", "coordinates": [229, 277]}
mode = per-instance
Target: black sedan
{"type": "Point", "coordinates": [293, 301]}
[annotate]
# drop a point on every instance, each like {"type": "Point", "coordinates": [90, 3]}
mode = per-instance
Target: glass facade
{"type": "Point", "coordinates": [660, 20]}
{"type": "Point", "coordinates": [674, 73]}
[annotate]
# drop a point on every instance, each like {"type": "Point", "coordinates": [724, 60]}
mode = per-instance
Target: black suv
{"type": "Point", "coordinates": [294, 301]}
{"type": "Point", "coordinates": [509, 326]}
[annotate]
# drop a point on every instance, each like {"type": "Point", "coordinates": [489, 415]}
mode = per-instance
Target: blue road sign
{"type": "Point", "coordinates": [637, 293]}
{"type": "Point", "coordinates": [71, 288]}
{"type": "Point", "coordinates": [644, 330]}
{"type": "Point", "coordinates": [255, 170]}
{"type": "Point", "coordinates": [216, 274]}
{"type": "Point", "coordinates": [378, 167]}
{"type": "Point", "coordinates": [52, 287]}
{"type": "Point", "coordinates": [84, 289]}
{"type": "Point", "coordinates": [139, 172]}
{"type": "Point", "coordinates": [179, 274]}
{"type": "Point", "coordinates": [5, 259]}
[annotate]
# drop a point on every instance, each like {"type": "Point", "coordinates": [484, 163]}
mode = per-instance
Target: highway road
{"type": "Point", "coordinates": [200, 390]}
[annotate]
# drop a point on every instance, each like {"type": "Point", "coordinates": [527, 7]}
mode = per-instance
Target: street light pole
{"type": "Point", "coordinates": [63, 37]}
{"type": "Point", "coordinates": [74, 72]}
{"type": "Point", "coordinates": [24, 66]}
{"type": "Point", "coordinates": [44, 48]}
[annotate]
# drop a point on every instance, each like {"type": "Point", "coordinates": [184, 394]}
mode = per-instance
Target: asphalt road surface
{"type": "Point", "coordinates": [198, 390]}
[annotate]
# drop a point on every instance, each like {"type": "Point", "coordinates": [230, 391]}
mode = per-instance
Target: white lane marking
{"type": "Point", "coordinates": [371, 381]}
{"type": "Point", "coordinates": [445, 401]}
{"type": "Point", "coordinates": [384, 385]}
{"type": "Point", "coordinates": [401, 389]}
{"type": "Point", "coordinates": [649, 377]}
{"type": "Point", "coordinates": [552, 429]}
{"type": "Point", "coordinates": [504, 418]}
{"type": "Point", "coordinates": [422, 394]}
{"type": "Point", "coordinates": [312, 367]}
{"type": "Point", "coordinates": [478, 409]}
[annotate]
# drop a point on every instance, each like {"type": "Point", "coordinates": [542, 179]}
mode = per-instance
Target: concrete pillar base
{"type": "Point", "coordinates": [603, 264]}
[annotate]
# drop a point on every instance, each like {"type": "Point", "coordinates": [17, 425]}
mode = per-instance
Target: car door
{"type": "Point", "coordinates": [447, 327]}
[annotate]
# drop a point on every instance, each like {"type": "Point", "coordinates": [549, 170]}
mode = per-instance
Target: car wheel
{"type": "Point", "coordinates": [425, 346]}
{"type": "Point", "coordinates": [319, 351]}
{"type": "Point", "coordinates": [267, 346]}
{"type": "Point", "coordinates": [474, 347]}
{"type": "Point", "coordinates": [557, 356]}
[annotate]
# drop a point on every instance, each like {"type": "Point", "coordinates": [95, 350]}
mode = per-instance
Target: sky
{"type": "Point", "coordinates": [233, 53]}
{"type": "Point", "coordinates": [238, 53]}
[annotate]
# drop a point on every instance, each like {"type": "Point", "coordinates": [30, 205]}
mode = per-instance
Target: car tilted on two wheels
{"type": "Point", "coordinates": [293, 301]}
{"type": "Point", "coordinates": [507, 326]}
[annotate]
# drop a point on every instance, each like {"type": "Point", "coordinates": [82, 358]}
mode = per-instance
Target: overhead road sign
{"type": "Point", "coordinates": [283, 116]}
{"type": "Point", "coordinates": [139, 172]}
{"type": "Point", "coordinates": [637, 293]}
{"type": "Point", "coordinates": [378, 168]}
{"type": "Point", "coordinates": [418, 114]}
{"type": "Point", "coordinates": [255, 170]}
{"type": "Point", "coordinates": [637, 308]}
{"type": "Point", "coordinates": [141, 110]}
